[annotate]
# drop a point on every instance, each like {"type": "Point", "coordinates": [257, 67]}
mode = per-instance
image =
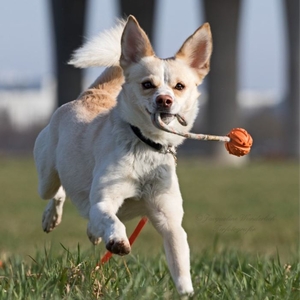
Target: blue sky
{"type": "Point", "coordinates": [26, 46]}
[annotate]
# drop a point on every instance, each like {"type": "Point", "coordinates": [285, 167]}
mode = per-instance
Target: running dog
{"type": "Point", "coordinates": [103, 151]}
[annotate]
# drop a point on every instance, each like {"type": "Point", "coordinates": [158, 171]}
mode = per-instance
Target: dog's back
{"type": "Point", "coordinates": [102, 94]}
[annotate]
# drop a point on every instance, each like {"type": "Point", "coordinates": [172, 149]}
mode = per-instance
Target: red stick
{"type": "Point", "coordinates": [132, 238]}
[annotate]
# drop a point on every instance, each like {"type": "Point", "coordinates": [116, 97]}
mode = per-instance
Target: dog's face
{"type": "Point", "coordinates": [167, 86]}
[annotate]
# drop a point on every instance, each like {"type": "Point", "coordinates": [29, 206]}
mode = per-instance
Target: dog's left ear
{"type": "Point", "coordinates": [197, 49]}
{"type": "Point", "coordinates": [134, 43]}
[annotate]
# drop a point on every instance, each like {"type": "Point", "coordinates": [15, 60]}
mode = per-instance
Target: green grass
{"type": "Point", "coordinates": [225, 275]}
{"type": "Point", "coordinates": [242, 225]}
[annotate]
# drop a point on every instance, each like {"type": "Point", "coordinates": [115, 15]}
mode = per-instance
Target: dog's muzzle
{"type": "Point", "coordinates": [167, 118]}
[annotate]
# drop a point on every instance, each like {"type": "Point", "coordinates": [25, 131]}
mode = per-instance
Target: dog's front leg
{"type": "Point", "coordinates": [106, 198]}
{"type": "Point", "coordinates": [165, 213]}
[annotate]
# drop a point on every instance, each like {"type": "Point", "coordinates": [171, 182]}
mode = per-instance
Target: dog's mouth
{"type": "Point", "coordinates": [167, 118]}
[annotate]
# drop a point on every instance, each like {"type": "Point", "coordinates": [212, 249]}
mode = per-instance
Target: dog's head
{"type": "Point", "coordinates": [168, 86]}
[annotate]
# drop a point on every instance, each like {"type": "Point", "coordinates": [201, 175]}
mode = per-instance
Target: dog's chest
{"type": "Point", "coordinates": [153, 174]}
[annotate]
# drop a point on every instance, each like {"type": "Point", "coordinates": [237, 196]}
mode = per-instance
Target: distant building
{"type": "Point", "coordinates": [27, 102]}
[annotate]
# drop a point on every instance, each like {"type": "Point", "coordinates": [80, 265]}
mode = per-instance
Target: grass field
{"type": "Point", "coordinates": [242, 225]}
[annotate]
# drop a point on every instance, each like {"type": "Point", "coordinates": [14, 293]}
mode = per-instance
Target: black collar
{"type": "Point", "coordinates": [156, 146]}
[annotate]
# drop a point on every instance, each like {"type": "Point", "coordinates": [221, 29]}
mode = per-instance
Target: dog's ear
{"type": "Point", "coordinates": [134, 43]}
{"type": "Point", "coordinates": [197, 49]}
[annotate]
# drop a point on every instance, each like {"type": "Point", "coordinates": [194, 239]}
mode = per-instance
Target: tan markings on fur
{"type": "Point", "coordinates": [102, 94]}
{"type": "Point", "coordinates": [179, 72]}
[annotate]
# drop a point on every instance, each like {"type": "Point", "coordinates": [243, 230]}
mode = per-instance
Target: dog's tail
{"type": "Point", "coordinates": [104, 50]}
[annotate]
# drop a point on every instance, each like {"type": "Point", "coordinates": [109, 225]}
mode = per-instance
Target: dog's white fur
{"type": "Point", "coordinates": [90, 153]}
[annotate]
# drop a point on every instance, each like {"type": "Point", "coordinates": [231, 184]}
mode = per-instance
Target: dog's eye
{"type": "Point", "coordinates": [179, 86]}
{"type": "Point", "coordinates": [148, 85]}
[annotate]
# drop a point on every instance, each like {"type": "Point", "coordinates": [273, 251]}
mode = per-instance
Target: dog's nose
{"type": "Point", "coordinates": [164, 101]}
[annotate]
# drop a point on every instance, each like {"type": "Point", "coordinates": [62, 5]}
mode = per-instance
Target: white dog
{"type": "Point", "coordinates": [103, 151]}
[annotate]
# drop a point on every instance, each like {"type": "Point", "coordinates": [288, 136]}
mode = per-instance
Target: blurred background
{"type": "Point", "coordinates": [253, 83]}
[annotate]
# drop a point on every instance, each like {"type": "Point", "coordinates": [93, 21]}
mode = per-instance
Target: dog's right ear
{"type": "Point", "coordinates": [134, 43]}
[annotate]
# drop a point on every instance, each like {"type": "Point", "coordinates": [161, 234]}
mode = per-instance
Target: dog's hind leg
{"type": "Point", "coordinates": [51, 188]}
{"type": "Point", "coordinates": [49, 182]}
{"type": "Point", "coordinates": [53, 212]}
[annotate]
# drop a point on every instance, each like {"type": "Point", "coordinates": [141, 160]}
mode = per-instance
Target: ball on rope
{"type": "Point", "coordinates": [240, 142]}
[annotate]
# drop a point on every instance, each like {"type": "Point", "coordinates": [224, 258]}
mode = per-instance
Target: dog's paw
{"type": "Point", "coordinates": [51, 217]}
{"type": "Point", "coordinates": [118, 247]}
{"type": "Point", "coordinates": [94, 240]}
{"type": "Point", "coordinates": [185, 287]}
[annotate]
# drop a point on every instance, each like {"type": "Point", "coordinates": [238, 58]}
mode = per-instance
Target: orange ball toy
{"type": "Point", "coordinates": [240, 142]}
